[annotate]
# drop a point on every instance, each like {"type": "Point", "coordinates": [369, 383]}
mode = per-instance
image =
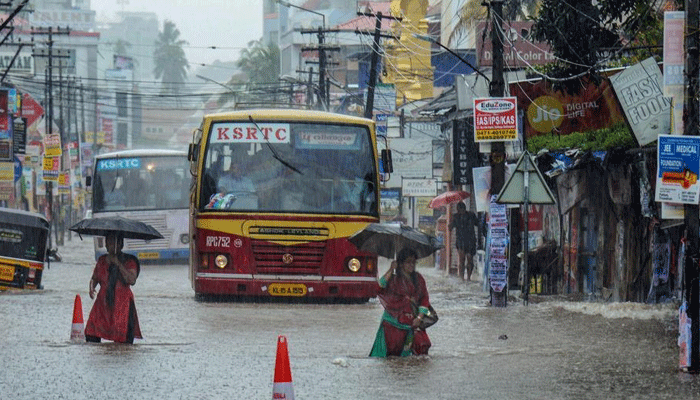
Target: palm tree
{"type": "Point", "coordinates": [261, 62]}
{"type": "Point", "coordinates": [171, 63]}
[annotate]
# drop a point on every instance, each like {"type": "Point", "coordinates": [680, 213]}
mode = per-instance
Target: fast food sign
{"type": "Point", "coordinates": [495, 119]}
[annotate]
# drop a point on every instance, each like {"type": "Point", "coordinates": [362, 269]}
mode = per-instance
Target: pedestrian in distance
{"type": "Point", "coordinates": [113, 315]}
{"type": "Point", "coordinates": [464, 222]}
{"type": "Point", "coordinates": [404, 296]}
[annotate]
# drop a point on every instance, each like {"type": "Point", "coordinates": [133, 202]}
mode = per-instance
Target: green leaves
{"type": "Point", "coordinates": [601, 139]}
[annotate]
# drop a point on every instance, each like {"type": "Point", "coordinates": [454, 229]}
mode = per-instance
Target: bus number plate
{"type": "Point", "coordinates": [148, 256]}
{"type": "Point", "coordinates": [7, 273]}
{"type": "Point", "coordinates": [287, 289]}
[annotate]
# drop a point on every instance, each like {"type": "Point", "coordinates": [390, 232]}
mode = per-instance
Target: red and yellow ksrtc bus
{"type": "Point", "coordinates": [275, 195]}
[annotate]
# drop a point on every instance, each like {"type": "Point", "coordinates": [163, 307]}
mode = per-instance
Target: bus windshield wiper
{"type": "Point", "coordinates": [272, 150]}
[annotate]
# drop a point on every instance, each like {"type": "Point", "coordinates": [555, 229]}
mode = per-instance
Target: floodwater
{"type": "Point", "coordinates": [196, 350]}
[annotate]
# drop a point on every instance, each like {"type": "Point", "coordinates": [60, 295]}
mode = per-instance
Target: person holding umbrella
{"type": "Point", "coordinates": [113, 315]}
{"type": "Point", "coordinates": [404, 295]}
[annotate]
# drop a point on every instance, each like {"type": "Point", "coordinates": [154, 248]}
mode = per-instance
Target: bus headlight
{"type": "Point", "coordinates": [184, 238]}
{"type": "Point", "coordinates": [354, 264]}
{"type": "Point", "coordinates": [221, 261]}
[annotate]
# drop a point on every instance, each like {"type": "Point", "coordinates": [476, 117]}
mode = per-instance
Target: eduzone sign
{"type": "Point", "coordinates": [495, 119]}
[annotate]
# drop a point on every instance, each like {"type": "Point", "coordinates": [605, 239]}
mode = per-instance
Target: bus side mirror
{"type": "Point", "coordinates": [386, 161]}
{"type": "Point", "coordinates": [88, 181]}
{"type": "Point", "coordinates": [193, 152]}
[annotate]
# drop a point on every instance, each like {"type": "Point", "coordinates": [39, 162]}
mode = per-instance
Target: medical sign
{"type": "Point", "coordinates": [495, 119]}
{"type": "Point", "coordinates": [678, 166]}
{"type": "Point", "coordinates": [118, 163]}
{"type": "Point", "coordinates": [261, 132]}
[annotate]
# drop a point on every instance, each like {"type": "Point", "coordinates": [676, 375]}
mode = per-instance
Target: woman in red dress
{"type": "Point", "coordinates": [113, 315]}
{"type": "Point", "coordinates": [405, 299]}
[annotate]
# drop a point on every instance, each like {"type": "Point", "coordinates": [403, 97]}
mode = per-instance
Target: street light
{"type": "Point", "coordinates": [433, 40]}
{"type": "Point", "coordinates": [230, 89]}
{"type": "Point", "coordinates": [288, 4]}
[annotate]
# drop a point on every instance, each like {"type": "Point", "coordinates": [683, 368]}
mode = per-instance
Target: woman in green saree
{"type": "Point", "coordinates": [405, 299]}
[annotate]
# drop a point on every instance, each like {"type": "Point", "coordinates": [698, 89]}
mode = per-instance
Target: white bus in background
{"type": "Point", "coordinates": [150, 186]}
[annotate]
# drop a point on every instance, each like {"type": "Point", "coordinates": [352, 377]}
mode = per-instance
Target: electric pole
{"type": "Point", "coordinates": [497, 159]}
{"type": "Point", "coordinates": [369, 105]}
{"type": "Point", "coordinates": [48, 52]}
{"type": "Point", "coordinates": [690, 126]}
{"type": "Point", "coordinates": [324, 97]}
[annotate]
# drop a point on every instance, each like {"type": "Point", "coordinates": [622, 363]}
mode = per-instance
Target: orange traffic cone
{"type": "Point", "coordinates": [77, 333]}
{"type": "Point", "coordinates": [282, 386]}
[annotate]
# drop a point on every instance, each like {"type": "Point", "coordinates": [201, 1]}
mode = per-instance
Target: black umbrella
{"type": "Point", "coordinates": [128, 228]}
{"type": "Point", "coordinates": [387, 239]}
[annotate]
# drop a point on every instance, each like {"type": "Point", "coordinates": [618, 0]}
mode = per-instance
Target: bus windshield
{"type": "Point", "coordinates": [289, 167]}
{"type": "Point", "coordinates": [140, 183]}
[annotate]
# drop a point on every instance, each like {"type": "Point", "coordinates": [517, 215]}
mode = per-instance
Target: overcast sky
{"type": "Point", "coordinates": [227, 24]}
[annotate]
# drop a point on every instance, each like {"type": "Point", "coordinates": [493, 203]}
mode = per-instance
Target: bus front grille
{"type": "Point", "coordinates": [158, 222]}
{"type": "Point", "coordinates": [301, 259]}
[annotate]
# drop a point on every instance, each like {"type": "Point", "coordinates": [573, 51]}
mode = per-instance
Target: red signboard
{"type": "Point", "coordinates": [31, 110]}
{"type": "Point", "coordinates": [547, 109]}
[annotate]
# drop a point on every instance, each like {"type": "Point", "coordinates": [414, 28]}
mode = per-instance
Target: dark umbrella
{"type": "Point", "coordinates": [128, 228]}
{"type": "Point", "coordinates": [386, 240]}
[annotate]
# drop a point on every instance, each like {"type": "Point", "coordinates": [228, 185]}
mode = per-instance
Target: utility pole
{"type": "Point", "coordinates": [324, 97]}
{"type": "Point", "coordinates": [49, 102]}
{"type": "Point", "coordinates": [497, 159]}
{"type": "Point", "coordinates": [369, 105]}
{"type": "Point", "coordinates": [690, 126]}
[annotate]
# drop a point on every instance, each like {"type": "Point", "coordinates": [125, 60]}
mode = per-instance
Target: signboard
{"type": "Point", "coordinates": [547, 109]}
{"type": "Point", "coordinates": [419, 187]}
{"type": "Point", "coordinates": [411, 159]}
{"type": "Point", "coordinates": [5, 126]}
{"type": "Point", "coordinates": [23, 64]}
{"type": "Point", "coordinates": [519, 50]}
{"type": "Point", "coordinates": [19, 136]}
{"type": "Point", "coordinates": [639, 90]}
{"type": "Point", "coordinates": [31, 110]}
{"type": "Point", "coordinates": [465, 153]}
{"type": "Point", "coordinates": [678, 166]}
{"type": "Point", "coordinates": [390, 201]}
{"type": "Point", "coordinates": [52, 145]}
{"type": "Point", "coordinates": [498, 246]}
{"type": "Point", "coordinates": [51, 166]}
{"type": "Point", "coordinates": [495, 119]}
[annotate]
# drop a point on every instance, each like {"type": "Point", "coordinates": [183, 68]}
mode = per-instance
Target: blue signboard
{"type": "Point", "coordinates": [678, 167]}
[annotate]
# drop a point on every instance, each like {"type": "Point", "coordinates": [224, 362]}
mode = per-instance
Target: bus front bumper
{"type": "Point", "coordinates": [340, 287]}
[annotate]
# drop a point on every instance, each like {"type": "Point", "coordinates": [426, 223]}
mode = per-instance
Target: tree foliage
{"type": "Point", "coordinates": [170, 61]}
{"type": "Point", "coordinates": [618, 136]}
{"type": "Point", "coordinates": [586, 35]}
{"type": "Point", "coordinates": [261, 62]}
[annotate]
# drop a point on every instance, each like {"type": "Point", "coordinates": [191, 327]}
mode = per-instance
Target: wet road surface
{"type": "Point", "coordinates": [211, 350]}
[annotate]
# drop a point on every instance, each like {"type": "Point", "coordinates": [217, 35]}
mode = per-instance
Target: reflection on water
{"type": "Point", "coordinates": [546, 350]}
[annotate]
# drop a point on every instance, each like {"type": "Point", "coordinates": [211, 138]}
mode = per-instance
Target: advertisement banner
{"type": "Point", "coordinates": [678, 166]}
{"type": "Point", "coordinates": [639, 89]}
{"type": "Point", "coordinates": [495, 119]}
{"type": "Point", "coordinates": [419, 187]}
{"type": "Point", "coordinates": [52, 145]}
{"type": "Point", "coordinates": [548, 110]}
{"type": "Point", "coordinates": [51, 166]}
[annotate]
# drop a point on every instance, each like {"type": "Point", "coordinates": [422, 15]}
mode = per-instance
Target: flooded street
{"type": "Point", "coordinates": [197, 350]}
